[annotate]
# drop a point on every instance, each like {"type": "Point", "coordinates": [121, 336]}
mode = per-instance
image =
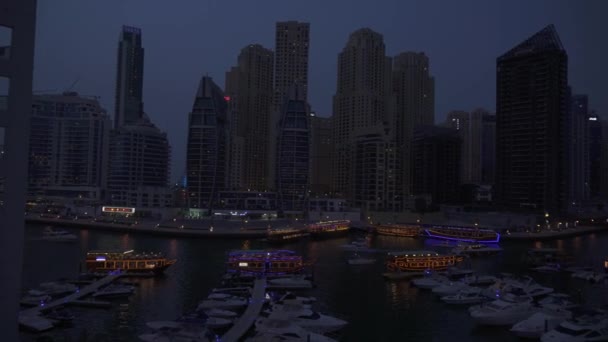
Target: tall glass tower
{"type": "Point", "coordinates": [129, 78]}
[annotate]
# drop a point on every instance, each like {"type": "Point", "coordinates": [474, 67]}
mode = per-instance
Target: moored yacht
{"type": "Point", "coordinates": [290, 283]}
{"type": "Point", "coordinates": [231, 302]}
{"type": "Point", "coordinates": [470, 295]}
{"type": "Point", "coordinates": [420, 261]}
{"type": "Point", "coordinates": [506, 310]}
{"type": "Point", "coordinates": [589, 329]}
{"type": "Point", "coordinates": [539, 323]}
{"type": "Point", "coordinates": [429, 282]}
{"type": "Point", "coordinates": [284, 330]}
{"type": "Point", "coordinates": [306, 318]}
{"type": "Point", "coordinates": [114, 291]}
{"type": "Point", "coordinates": [450, 288]}
{"type": "Point", "coordinates": [476, 249]}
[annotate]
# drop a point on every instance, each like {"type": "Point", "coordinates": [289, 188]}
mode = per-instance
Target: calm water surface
{"type": "Point", "coordinates": [377, 310]}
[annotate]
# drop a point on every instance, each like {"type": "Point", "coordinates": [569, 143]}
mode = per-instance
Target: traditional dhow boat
{"type": "Point", "coordinates": [417, 261]}
{"type": "Point", "coordinates": [404, 230]}
{"type": "Point", "coordinates": [328, 229]}
{"type": "Point", "coordinates": [285, 235]}
{"type": "Point", "coordinates": [464, 234]}
{"type": "Point", "coordinates": [127, 261]}
{"type": "Point", "coordinates": [264, 262]}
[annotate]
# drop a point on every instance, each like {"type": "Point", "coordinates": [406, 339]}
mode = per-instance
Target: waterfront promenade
{"type": "Point", "coordinates": [554, 234]}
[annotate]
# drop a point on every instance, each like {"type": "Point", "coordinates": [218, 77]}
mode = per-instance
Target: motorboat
{"type": "Point", "coordinates": [399, 275]}
{"type": "Point", "coordinates": [58, 235]}
{"type": "Point", "coordinates": [35, 323]}
{"type": "Point", "coordinates": [469, 295]}
{"type": "Point", "coordinates": [54, 289]}
{"type": "Point", "coordinates": [114, 291]}
{"type": "Point", "coordinates": [449, 288]}
{"type": "Point", "coordinates": [220, 313]}
{"type": "Point", "coordinates": [60, 316]}
{"type": "Point", "coordinates": [232, 302]}
{"type": "Point", "coordinates": [36, 300]}
{"type": "Point", "coordinates": [530, 288]}
{"type": "Point", "coordinates": [480, 280]}
{"type": "Point", "coordinates": [507, 310]}
{"type": "Point", "coordinates": [476, 249]}
{"type": "Point", "coordinates": [290, 283]}
{"type": "Point", "coordinates": [592, 276]}
{"type": "Point", "coordinates": [306, 318]}
{"type": "Point", "coordinates": [290, 298]}
{"type": "Point", "coordinates": [429, 282]}
{"type": "Point", "coordinates": [588, 329]}
{"type": "Point", "coordinates": [575, 269]}
{"type": "Point", "coordinates": [459, 272]}
{"type": "Point", "coordinates": [284, 330]}
{"type": "Point", "coordinates": [181, 334]}
{"type": "Point", "coordinates": [539, 323]}
{"type": "Point", "coordinates": [557, 301]}
{"type": "Point", "coordinates": [358, 260]}
{"type": "Point", "coordinates": [547, 268]}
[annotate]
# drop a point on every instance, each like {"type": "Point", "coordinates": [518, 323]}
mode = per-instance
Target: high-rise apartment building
{"type": "Point", "coordinates": [488, 149]}
{"type": "Point", "coordinates": [68, 148]}
{"type": "Point", "coordinates": [577, 150]}
{"type": "Point", "coordinates": [17, 33]}
{"type": "Point", "coordinates": [207, 142]}
{"type": "Point", "coordinates": [531, 105]}
{"type": "Point", "coordinates": [250, 89]}
{"type": "Point", "coordinates": [291, 58]}
{"type": "Point", "coordinates": [598, 157]}
{"type": "Point", "coordinates": [413, 88]}
{"type": "Point", "coordinates": [293, 151]}
{"type": "Point", "coordinates": [139, 167]}
{"type": "Point", "coordinates": [375, 170]}
{"type": "Point", "coordinates": [361, 101]}
{"type": "Point", "coordinates": [436, 164]}
{"type": "Point", "coordinates": [129, 78]}
{"type": "Point", "coordinates": [320, 155]}
{"type": "Point", "coordinates": [470, 128]}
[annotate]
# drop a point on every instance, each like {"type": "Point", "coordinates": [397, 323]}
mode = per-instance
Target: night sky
{"type": "Point", "coordinates": [186, 39]}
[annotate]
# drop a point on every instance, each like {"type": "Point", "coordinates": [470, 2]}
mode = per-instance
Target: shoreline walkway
{"type": "Point", "coordinates": [251, 313]}
{"type": "Point", "coordinates": [553, 234]}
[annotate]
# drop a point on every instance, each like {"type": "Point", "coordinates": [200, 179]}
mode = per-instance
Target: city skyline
{"type": "Point", "coordinates": [440, 37]}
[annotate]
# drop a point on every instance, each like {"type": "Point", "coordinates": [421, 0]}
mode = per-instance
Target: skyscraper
{"type": "Point", "coordinates": [249, 87]}
{"type": "Point", "coordinates": [293, 151]}
{"type": "Point", "coordinates": [68, 148]}
{"type": "Point", "coordinates": [469, 126]}
{"type": "Point", "coordinates": [139, 167]}
{"type": "Point", "coordinates": [436, 164]}
{"type": "Point", "coordinates": [320, 155]}
{"type": "Point", "coordinates": [577, 151]}
{"type": "Point", "coordinates": [414, 105]}
{"type": "Point", "coordinates": [207, 141]}
{"type": "Point", "coordinates": [488, 149]}
{"type": "Point", "coordinates": [531, 104]}
{"type": "Point", "coordinates": [18, 23]}
{"type": "Point", "coordinates": [129, 77]}
{"type": "Point", "coordinates": [291, 58]}
{"type": "Point", "coordinates": [598, 157]}
{"type": "Point", "coordinates": [361, 101]}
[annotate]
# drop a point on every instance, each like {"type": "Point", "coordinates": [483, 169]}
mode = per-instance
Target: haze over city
{"type": "Point", "coordinates": [76, 42]}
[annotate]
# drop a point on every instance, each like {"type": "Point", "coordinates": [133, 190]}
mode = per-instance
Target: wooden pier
{"type": "Point", "coordinates": [252, 312]}
{"type": "Point", "coordinates": [70, 299]}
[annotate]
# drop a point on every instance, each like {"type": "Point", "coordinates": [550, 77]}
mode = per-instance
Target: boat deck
{"type": "Point", "coordinates": [251, 313]}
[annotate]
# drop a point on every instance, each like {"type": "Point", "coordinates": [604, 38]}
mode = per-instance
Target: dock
{"type": "Point", "coordinates": [252, 312]}
{"type": "Point", "coordinates": [73, 298]}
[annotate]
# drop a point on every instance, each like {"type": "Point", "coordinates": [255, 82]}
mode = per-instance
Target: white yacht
{"type": "Point", "coordinates": [548, 268]}
{"type": "Point", "coordinates": [507, 310]}
{"type": "Point", "coordinates": [590, 329]}
{"type": "Point", "coordinates": [476, 249]}
{"type": "Point", "coordinates": [539, 323]}
{"type": "Point", "coordinates": [591, 276]}
{"type": "Point", "coordinates": [220, 313]}
{"type": "Point", "coordinates": [284, 330]}
{"type": "Point", "coordinates": [449, 288]}
{"type": "Point", "coordinates": [231, 302]}
{"type": "Point", "coordinates": [290, 298]}
{"type": "Point", "coordinates": [290, 283]}
{"type": "Point", "coordinates": [480, 280]}
{"type": "Point", "coordinates": [35, 300]}
{"type": "Point", "coordinates": [210, 322]}
{"type": "Point", "coordinates": [58, 235]}
{"type": "Point", "coordinates": [177, 335]}
{"type": "Point", "coordinates": [471, 295]}
{"type": "Point", "coordinates": [35, 323]}
{"type": "Point", "coordinates": [114, 291]}
{"type": "Point", "coordinates": [557, 301]}
{"type": "Point", "coordinates": [306, 318]}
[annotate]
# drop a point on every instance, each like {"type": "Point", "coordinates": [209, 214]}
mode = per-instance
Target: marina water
{"type": "Point", "coordinates": [377, 309]}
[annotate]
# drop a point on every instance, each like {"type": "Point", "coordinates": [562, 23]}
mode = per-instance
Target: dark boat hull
{"type": "Point", "coordinates": [323, 235]}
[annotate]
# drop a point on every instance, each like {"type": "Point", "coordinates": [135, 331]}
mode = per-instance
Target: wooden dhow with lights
{"type": "Point", "coordinates": [265, 262]}
{"type": "Point", "coordinates": [402, 230]}
{"type": "Point", "coordinates": [285, 235]}
{"type": "Point", "coordinates": [328, 229]}
{"type": "Point", "coordinates": [127, 262]}
{"type": "Point", "coordinates": [420, 261]}
{"type": "Point", "coordinates": [463, 234]}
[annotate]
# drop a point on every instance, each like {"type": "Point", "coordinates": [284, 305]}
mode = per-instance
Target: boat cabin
{"type": "Point", "coordinates": [264, 262]}
{"type": "Point", "coordinates": [127, 261]}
